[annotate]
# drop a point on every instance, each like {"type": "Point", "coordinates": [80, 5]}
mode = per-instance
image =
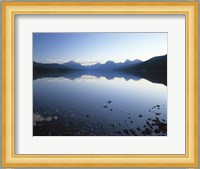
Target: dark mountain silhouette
{"type": "Point", "coordinates": [47, 66]}
{"type": "Point", "coordinates": [154, 69]}
{"type": "Point", "coordinates": [110, 65]}
{"type": "Point", "coordinates": [50, 67]}
{"type": "Point", "coordinates": [158, 63]}
{"type": "Point", "coordinates": [155, 63]}
{"type": "Point", "coordinates": [73, 65]}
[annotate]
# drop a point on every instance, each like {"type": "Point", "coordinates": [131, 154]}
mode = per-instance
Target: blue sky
{"type": "Point", "coordinates": [90, 48]}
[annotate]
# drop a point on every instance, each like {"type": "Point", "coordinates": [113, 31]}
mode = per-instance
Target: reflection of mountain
{"type": "Point", "coordinates": [73, 75]}
{"type": "Point", "coordinates": [154, 70]}
{"type": "Point", "coordinates": [155, 77]}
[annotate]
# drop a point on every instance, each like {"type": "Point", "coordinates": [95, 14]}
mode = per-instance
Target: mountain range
{"type": "Point", "coordinates": [158, 63]}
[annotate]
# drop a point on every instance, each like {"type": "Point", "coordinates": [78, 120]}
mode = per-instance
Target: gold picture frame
{"type": "Point", "coordinates": [10, 9]}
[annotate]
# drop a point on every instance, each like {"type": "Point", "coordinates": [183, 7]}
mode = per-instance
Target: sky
{"type": "Point", "coordinates": [90, 48]}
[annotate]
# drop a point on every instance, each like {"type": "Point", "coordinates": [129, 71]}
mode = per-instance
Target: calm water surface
{"type": "Point", "coordinates": [94, 105]}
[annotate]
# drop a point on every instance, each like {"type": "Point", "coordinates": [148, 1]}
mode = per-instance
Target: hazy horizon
{"type": "Point", "coordinates": [91, 48]}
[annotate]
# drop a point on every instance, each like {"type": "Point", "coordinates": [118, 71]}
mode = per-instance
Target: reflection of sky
{"type": "Point", "coordinates": [136, 97]}
{"type": "Point", "coordinates": [90, 48]}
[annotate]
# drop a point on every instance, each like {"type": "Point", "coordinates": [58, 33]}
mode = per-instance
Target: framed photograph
{"type": "Point", "coordinates": [100, 84]}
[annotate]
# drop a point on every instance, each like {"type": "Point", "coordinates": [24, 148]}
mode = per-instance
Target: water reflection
{"type": "Point", "coordinates": [100, 104]}
{"type": "Point", "coordinates": [152, 76]}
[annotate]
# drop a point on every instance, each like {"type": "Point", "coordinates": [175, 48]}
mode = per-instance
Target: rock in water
{"type": "Point", "coordinates": [132, 131]}
{"type": "Point", "coordinates": [118, 132]}
{"type": "Point", "coordinates": [126, 131]}
{"type": "Point", "coordinates": [157, 131]}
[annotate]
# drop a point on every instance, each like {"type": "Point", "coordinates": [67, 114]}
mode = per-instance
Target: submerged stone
{"type": "Point", "coordinates": [132, 131]}
{"type": "Point", "coordinates": [112, 124]}
{"type": "Point", "coordinates": [126, 131]}
{"type": "Point", "coordinates": [118, 132]}
{"type": "Point", "coordinates": [157, 131]}
{"type": "Point", "coordinates": [138, 129]}
{"type": "Point", "coordinates": [148, 131]}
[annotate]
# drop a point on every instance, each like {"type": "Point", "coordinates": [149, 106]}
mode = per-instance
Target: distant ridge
{"type": "Point", "coordinates": [158, 63]}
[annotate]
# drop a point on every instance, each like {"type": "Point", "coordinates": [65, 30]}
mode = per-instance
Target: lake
{"type": "Point", "coordinates": [99, 104]}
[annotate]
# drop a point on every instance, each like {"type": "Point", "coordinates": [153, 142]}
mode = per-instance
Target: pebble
{"type": "Point", "coordinates": [118, 132]}
{"type": "Point", "coordinates": [157, 131]}
{"type": "Point", "coordinates": [132, 131]}
{"type": "Point", "coordinates": [113, 125]}
{"type": "Point", "coordinates": [126, 131]}
{"type": "Point", "coordinates": [138, 129]}
{"type": "Point", "coordinates": [148, 131]}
